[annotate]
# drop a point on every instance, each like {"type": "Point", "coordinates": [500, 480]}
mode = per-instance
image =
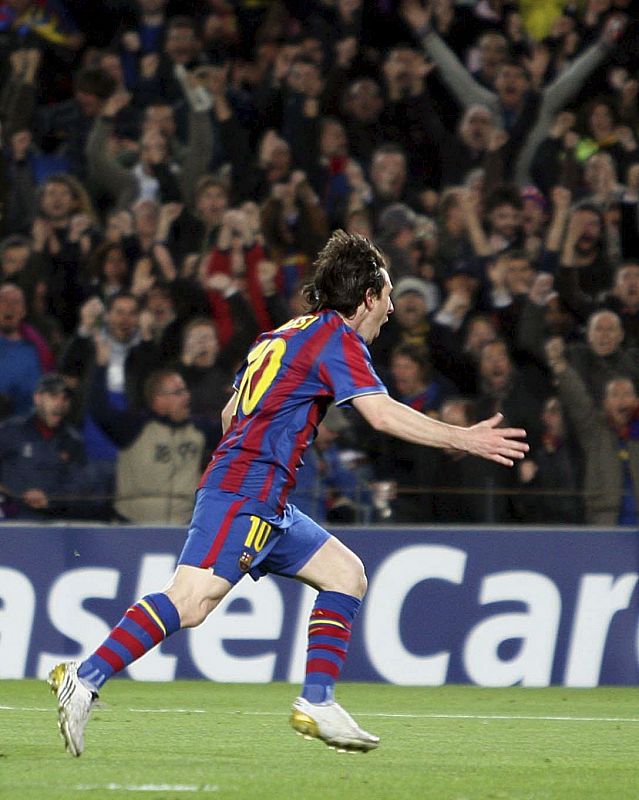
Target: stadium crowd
{"type": "Point", "coordinates": [170, 169]}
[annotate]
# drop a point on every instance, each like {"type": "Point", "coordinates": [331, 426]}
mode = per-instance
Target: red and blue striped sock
{"type": "Point", "coordinates": [329, 632]}
{"type": "Point", "coordinates": [144, 625]}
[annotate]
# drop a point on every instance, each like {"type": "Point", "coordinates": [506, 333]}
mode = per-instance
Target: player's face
{"type": "Point", "coordinates": [379, 310]}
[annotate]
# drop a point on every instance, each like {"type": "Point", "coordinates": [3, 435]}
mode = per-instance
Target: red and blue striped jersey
{"type": "Point", "coordinates": [283, 389]}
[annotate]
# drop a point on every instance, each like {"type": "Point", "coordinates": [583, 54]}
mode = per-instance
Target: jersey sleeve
{"type": "Point", "coordinates": [347, 369]}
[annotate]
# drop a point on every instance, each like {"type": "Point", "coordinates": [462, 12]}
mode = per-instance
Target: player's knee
{"type": "Point", "coordinates": [357, 582]}
{"type": "Point", "coordinates": [193, 611]}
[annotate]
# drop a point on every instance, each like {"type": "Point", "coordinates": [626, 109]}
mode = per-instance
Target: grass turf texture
{"type": "Point", "coordinates": [242, 747]}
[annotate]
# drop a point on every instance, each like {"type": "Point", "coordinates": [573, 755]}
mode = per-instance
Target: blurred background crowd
{"type": "Point", "coordinates": [169, 170]}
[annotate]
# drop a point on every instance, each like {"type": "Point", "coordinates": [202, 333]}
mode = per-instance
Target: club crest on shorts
{"type": "Point", "coordinates": [244, 561]}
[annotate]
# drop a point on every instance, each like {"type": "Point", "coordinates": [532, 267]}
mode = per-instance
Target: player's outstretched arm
{"type": "Point", "coordinates": [485, 439]}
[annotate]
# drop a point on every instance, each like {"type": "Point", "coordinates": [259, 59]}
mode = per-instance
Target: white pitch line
{"type": "Point", "coordinates": [168, 710]}
{"type": "Point", "coordinates": [483, 717]}
{"type": "Point", "coordinates": [146, 787]}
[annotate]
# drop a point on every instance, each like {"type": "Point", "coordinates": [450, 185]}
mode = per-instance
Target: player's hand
{"type": "Point", "coordinates": [502, 445]}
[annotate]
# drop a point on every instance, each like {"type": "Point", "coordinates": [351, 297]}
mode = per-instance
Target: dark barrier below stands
{"type": "Point", "coordinates": [490, 607]}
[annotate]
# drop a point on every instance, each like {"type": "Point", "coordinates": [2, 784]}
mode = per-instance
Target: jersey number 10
{"type": "Point", "coordinates": [263, 364]}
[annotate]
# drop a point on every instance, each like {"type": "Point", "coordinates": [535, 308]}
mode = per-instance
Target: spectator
{"type": "Point", "coordinates": [526, 114]}
{"type": "Point", "coordinates": [233, 277]}
{"type": "Point", "coordinates": [460, 481]}
{"type": "Point", "coordinates": [42, 461]}
{"type": "Point", "coordinates": [293, 224]}
{"type": "Point", "coordinates": [132, 355]}
{"type": "Point", "coordinates": [161, 450]}
{"type": "Point", "coordinates": [362, 106]}
{"type": "Point", "coordinates": [397, 227]}
{"type": "Point", "coordinates": [63, 234]}
{"type": "Point", "coordinates": [409, 323]}
{"type": "Point", "coordinates": [607, 434]}
{"type": "Point", "coordinates": [585, 253]}
{"type": "Point", "coordinates": [21, 368]}
{"type": "Point", "coordinates": [68, 123]}
{"type": "Point", "coordinates": [109, 272]}
{"type": "Point", "coordinates": [203, 368]}
{"type": "Point", "coordinates": [388, 175]}
{"type": "Point", "coordinates": [457, 339]}
{"type": "Point", "coordinates": [155, 176]}
{"type": "Point", "coordinates": [197, 228]}
{"type": "Point", "coordinates": [327, 486]}
{"type": "Point", "coordinates": [159, 73]}
{"type": "Point", "coordinates": [602, 357]}
{"type": "Point", "coordinates": [604, 134]}
{"type": "Point", "coordinates": [144, 39]}
{"type": "Point", "coordinates": [503, 390]}
{"type": "Point", "coordinates": [414, 382]}
{"type": "Point", "coordinates": [555, 482]}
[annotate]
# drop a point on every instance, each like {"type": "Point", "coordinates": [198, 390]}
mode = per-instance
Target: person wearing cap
{"type": "Point", "coordinates": [408, 325]}
{"type": "Point", "coordinates": [43, 471]}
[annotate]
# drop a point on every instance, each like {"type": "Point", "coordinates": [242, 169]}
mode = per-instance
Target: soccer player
{"type": "Point", "coordinates": [242, 523]}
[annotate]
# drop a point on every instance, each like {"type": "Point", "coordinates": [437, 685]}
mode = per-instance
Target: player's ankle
{"type": "Point", "coordinates": [318, 693]}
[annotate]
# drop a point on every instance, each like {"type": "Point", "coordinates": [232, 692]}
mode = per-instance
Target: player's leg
{"type": "Point", "coordinates": [191, 595]}
{"type": "Point", "coordinates": [188, 599]}
{"type": "Point", "coordinates": [338, 575]}
{"type": "Point", "coordinates": [310, 554]}
{"type": "Point", "coordinates": [186, 602]}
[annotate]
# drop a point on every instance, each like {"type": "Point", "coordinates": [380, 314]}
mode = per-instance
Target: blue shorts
{"type": "Point", "coordinates": [234, 535]}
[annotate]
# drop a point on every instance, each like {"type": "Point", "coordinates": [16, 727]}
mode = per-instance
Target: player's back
{"type": "Point", "coordinates": [289, 378]}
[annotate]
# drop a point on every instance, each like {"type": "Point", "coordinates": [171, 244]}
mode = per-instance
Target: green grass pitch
{"type": "Point", "coordinates": [198, 739]}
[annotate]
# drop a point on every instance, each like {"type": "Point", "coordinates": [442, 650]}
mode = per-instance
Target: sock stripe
{"type": "Point", "coordinates": [329, 632]}
{"type": "Point", "coordinates": [146, 606]}
{"type": "Point", "coordinates": [333, 622]}
{"type": "Point", "coordinates": [324, 613]}
{"type": "Point", "coordinates": [112, 658]}
{"type": "Point", "coordinates": [322, 665]}
{"type": "Point", "coordinates": [339, 651]}
{"type": "Point", "coordinates": [147, 623]}
{"type": "Point", "coordinates": [137, 632]}
{"type": "Point", "coordinates": [134, 646]}
{"type": "Point", "coordinates": [337, 633]}
{"type": "Point", "coordinates": [144, 625]}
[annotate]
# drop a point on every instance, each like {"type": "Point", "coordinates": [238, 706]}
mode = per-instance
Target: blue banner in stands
{"type": "Point", "coordinates": [489, 607]}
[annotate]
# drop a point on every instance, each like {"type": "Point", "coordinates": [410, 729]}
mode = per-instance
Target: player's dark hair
{"type": "Point", "coordinates": [345, 269]}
